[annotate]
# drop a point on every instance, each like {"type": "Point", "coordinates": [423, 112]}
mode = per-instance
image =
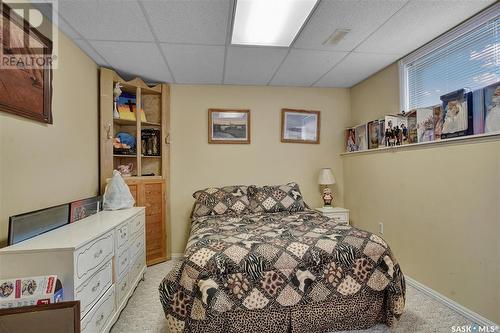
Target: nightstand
{"type": "Point", "coordinates": [339, 214]}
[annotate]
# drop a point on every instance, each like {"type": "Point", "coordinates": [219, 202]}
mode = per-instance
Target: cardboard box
{"type": "Point", "coordinates": [30, 291]}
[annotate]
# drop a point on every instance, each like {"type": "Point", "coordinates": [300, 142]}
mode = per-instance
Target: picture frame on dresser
{"type": "Point", "coordinates": [63, 317]}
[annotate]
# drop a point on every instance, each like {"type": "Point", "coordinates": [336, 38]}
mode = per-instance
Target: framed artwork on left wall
{"type": "Point", "coordinates": [228, 126]}
{"type": "Point", "coordinates": [26, 79]}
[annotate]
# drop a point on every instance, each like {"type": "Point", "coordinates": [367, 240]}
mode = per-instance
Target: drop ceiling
{"type": "Point", "coordinates": [188, 41]}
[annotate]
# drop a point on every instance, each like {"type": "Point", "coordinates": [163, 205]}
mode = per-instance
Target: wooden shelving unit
{"type": "Point", "coordinates": [150, 180]}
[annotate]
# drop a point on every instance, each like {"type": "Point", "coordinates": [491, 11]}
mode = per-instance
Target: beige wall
{"type": "Point", "coordinates": [196, 164]}
{"type": "Point", "coordinates": [439, 205]}
{"type": "Point", "coordinates": [43, 165]}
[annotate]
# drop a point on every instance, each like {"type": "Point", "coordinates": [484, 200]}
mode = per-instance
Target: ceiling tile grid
{"type": "Point", "coordinates": [304, 67]}
{"type": "Point", "coordinates": [360, 17]}
{"type": "Point", "coordinates": [354, 68]}
{"type": "Point", "coordinates": [189, 41]}
{"type": "Point", "coordinates": [252, 65]}
{"type": "Point", "coordinates": [193, 64]}
{"type": "Point", "coordinates": [135, 59]}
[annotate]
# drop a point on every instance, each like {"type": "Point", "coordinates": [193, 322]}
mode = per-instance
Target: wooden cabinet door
{"type": "Point", "coordinates": [154, 201]}
{"type": "Point", "coordinates": [134, 190]}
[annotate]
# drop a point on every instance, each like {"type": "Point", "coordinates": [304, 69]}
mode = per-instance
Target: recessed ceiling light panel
{"type": "Point", "coordinates": [269, 22]}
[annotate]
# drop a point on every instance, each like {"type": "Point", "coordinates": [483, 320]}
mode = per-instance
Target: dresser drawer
{"type": "Point", "coordinates": [92, 255]}
{"type": "Point", "coordinates": [122, 235]}
{"type": "Point", "coordinates": [137, 266]}
{"type": "Point", "coordinates": [122, 287]}
{"type": "Point", "coordinates": [338, 216]}
{"type": "Point", "coordinates": [122, 262]}
{"type": "Point", "coordinates": [136, 226]}
{"type": "Point", "coordinates": [89, 292]}
{"type": "Point", "coordinates": [96, 319]}
{"type": "Point", "coordinates": [137, 247]}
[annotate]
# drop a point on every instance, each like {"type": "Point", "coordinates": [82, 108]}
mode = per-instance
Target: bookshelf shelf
{"type": "Point", "coordinates": [126, 122]}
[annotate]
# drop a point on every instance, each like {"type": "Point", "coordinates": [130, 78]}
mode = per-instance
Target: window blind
{"type": "Point", "coordinates": [471, 60]}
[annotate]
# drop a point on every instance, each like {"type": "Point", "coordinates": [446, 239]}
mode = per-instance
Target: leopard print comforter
{"type": "Point", "coordinates": [274, 261]}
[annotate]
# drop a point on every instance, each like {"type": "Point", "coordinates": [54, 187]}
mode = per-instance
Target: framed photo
{"type": "Point", "coordinates": [228, 126]}
{"type": "Point", "coordinates": [26, 92]}
{"type": "Point", "coordinates": [63, 317]}
{"type": "Point", "coordinates": [83, 208]}
{"type": "Point", "coordinates": [300, 126]}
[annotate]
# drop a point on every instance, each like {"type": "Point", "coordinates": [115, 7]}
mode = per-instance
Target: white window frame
{"type": "Point", "coordinates": [465, 27]}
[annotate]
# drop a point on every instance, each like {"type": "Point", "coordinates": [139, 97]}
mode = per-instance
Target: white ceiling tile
{"type": "Point", "coordinates": [49, 11]}
{"type": "Point", "coordinates": [355, 68]}
{"type": "Point", "coordinates": [362, 17]}
{"type": "Point", "coordinates": [89, 50]}
{"type": "Point", "coordinates": [195, 63]}
{"type": "Point", "coordinates": [106, 20]}
{"type": "Point", "coordinates": [67, 29]}
{"type": "Point", "coordinates": [252, 65]}
{"type": "Point", "coordinates": [418, 23]}
{"type": "Point", "coordinates": [304, 67]}
{"type": "Point", "coordinates": [195, 21]}
{"type": "Point", "coordinates": [135, 59]}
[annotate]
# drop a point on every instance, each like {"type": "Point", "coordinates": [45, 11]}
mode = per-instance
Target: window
{"type": "Point", "coordinates": [467, 56]}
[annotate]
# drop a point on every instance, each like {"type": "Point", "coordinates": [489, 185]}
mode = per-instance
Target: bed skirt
{"type": "Point", "coordinates": [360, 311]}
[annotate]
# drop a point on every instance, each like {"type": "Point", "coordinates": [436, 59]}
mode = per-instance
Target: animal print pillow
{"type": "Point", "coordinates": [278, 198]}
{"type": "Point", "coordinates": [220, 201]}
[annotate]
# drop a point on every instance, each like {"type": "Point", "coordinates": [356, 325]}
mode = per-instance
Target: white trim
{"type": "Point", "coordinates": [463, 28]}
{"type": "Point", "coordinates": [467, 313]}
{"type": "Point", "coordinates": [176, 255]}
{"type": "Point", "coordinates": [403, 85]}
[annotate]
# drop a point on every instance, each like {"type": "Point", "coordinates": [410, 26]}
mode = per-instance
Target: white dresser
{"type": "Point", "coordinates": [99, 260]}
{"type": "Point", "coordinates": [338, 214]}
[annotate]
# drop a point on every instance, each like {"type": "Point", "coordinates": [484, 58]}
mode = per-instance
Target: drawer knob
{"type": "Point", "coordinates": [94, 288]}
{"type": "Point", "coordinates": [98, 254]}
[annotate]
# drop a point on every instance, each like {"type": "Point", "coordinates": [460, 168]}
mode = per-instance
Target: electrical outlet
{"type": "Point", "coordinates": [381, 228]}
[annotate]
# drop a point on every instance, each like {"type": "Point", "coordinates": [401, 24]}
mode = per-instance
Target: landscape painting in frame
{"type": "Point", "coordinates": [25, 90]}
{"type": "Point", "coordinates": [228, 126]}
{"type": "Point", "coordinates": [300, 126]}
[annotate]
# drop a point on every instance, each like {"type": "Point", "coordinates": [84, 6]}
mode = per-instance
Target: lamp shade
{"type": "Point", "coordinates": [326, 177]}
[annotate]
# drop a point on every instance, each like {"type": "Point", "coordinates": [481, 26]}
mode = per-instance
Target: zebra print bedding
{"type": "Point", "coordinates": [267, 262]}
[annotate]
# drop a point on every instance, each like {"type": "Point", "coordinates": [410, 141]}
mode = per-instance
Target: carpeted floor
{"type": "Point", "coordinates": [144, 312]}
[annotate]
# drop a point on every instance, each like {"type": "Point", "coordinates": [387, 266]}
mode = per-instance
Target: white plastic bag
{"type": "Point", "coordinates": [117, 194]}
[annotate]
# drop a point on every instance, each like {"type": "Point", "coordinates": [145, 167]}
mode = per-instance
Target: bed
{"type": "Point", "coordinates": [255, 266]}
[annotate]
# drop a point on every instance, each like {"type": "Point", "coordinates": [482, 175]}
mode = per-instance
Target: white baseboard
{"type": "Point", "coordinates": [469, 314]}
{"type": "Point", "coordinates": [176, 255]}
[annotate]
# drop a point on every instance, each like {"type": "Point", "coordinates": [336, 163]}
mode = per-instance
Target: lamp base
{"type": "Point", "coordinates": [327, 197]}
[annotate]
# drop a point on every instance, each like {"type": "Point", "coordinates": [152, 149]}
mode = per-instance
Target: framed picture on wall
{"type": "Point", "coordinates": [228, 126]}
{"type": "Point", "coordinates": [300, 126]}
{"type": "Point", "coordinates": [26, 91]}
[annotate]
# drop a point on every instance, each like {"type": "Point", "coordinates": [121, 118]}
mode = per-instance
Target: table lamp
{"type": "Point", "coordinates": [326, 178]}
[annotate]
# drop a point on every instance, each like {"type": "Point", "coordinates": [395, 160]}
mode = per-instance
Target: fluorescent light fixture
{"type": "Point", "coordinates": [269, 22]}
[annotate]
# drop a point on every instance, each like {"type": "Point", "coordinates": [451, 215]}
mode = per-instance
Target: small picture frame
{"type": "Point", "coordinates": [228, 126]}
{"type": "Point", "coordinates": [300, 126]}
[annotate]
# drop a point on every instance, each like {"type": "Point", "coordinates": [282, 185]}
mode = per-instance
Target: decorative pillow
{"type": "Point", "coordinates": [278, 198]}
{"type": "Point", "coordinates": [219, 201]}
